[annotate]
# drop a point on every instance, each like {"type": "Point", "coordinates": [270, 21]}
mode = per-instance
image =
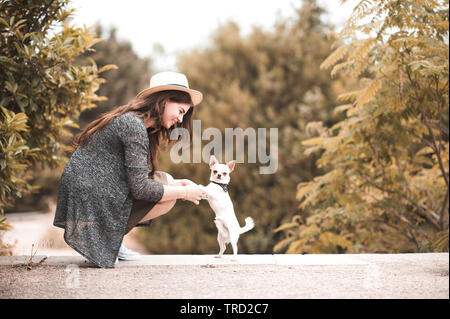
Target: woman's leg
{"type": "Point", "coordinates": [142, 212]}
{"type": "Point", "coordinates": [159, 209]}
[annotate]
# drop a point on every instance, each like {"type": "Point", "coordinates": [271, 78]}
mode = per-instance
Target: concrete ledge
{"type": "Point", "coordinates": [249, 276]}
{"type": "Point", "coordinates": [205, 260]}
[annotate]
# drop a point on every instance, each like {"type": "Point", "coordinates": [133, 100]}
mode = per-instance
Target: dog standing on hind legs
{"type": "Point", "coordinates": [219, 199]}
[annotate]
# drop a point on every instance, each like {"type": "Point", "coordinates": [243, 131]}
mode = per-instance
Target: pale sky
{"type": "Point", "coordinates": [180, 25]}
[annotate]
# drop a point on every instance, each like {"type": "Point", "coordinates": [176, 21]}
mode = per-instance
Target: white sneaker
{"type": "Point", "coordinates": [127, 254]}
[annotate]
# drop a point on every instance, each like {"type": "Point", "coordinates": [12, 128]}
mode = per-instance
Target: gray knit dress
{"type": "Point", "coordinates": [98, 185]}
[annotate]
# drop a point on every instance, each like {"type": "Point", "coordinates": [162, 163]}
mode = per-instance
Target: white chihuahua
{"type": "Point", "coordinates": [220, 202]}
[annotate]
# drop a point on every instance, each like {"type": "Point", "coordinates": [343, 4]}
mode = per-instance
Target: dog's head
{"type": "Point", "coordinates": [220, 173]}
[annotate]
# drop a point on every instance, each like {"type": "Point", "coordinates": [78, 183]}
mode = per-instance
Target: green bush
{"type": "Point", "coordinates": [42, 90]}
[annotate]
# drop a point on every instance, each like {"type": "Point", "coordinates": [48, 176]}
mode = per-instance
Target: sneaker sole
{"type": "Point", "coordinates": [129, 258]}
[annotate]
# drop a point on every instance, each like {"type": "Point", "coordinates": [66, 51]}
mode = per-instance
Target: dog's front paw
{"type": "Point", "coordinates": [203, 188]}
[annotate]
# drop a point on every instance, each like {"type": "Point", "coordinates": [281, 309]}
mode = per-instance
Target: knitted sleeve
{"type": "Point", "coordinates": [134, 138]}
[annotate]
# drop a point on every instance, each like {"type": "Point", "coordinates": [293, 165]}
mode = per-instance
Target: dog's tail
{"type": "Point", "coordinates": [249, 224]}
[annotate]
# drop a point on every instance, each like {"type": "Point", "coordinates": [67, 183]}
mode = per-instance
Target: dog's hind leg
{"type": "Point", "coordinates": [222, 235]}
{"type": "Point", "coordinates": [235, 250]}
{"type": "Point", "coordinates": [222, 246]}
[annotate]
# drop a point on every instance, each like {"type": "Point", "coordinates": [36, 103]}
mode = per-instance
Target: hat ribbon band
{"type": "Point", "coordinates": [184, 86]}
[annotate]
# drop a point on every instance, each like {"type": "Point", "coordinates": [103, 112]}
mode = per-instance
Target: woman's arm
{"type": "Point", "coordinates": [133, 135]}
{"type": "Point", "coordinates": [173, 192]}
{"type": "Point", "coordinates": [181, 182]}
{"type": "Point", "coordinates": [191, 193]}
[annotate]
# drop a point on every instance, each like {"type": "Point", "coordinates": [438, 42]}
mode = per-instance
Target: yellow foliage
{"type": "Point", "coordinates": [296, 247]}
{"type": "Point", "coordinates": [385, 183]}
{"type": "Point", "coordinates": [329, 239]}
{"type": "Point", "coordinates": [368, 93]}
{"type": "Point", "coordinates": [313, 141]}
{"type": "Point", "coordinates": [338, 54]}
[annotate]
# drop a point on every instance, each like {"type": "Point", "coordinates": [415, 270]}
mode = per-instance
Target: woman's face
{"type": "Point", "coordinates": [173, 113]}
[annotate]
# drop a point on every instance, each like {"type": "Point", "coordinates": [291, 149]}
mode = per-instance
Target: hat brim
{"type": "Point", "coordinates": [196, 96]}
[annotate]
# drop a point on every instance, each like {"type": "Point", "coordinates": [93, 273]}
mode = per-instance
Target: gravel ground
{"type": "Point", "coordinates": [387, 278]}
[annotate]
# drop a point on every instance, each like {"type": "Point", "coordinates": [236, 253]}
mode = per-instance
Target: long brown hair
{"type": "Point", "coordinates": [152, 106]}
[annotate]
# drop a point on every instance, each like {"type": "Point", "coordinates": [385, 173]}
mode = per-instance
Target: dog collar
{"type": "Point", "coordinates": [224, 186]}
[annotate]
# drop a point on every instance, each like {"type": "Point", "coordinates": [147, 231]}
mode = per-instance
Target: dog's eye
{"type": "Point", "coordinates": [224, 174]}
{"type": "Point", "coordinates": [215, 172]}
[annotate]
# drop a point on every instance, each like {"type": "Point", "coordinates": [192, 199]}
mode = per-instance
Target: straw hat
{"type": "Point", "coordinates": [171, 81]}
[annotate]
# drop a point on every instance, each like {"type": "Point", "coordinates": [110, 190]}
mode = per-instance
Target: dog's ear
{"type": "Point", "coordinates": [213, 160]}
{"type": "Point", "coordinates": [231, 165]}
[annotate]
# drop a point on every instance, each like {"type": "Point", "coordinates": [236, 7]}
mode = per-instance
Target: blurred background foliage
{"type": "Point", "coordinates": [273, 79]}
{"type": "Point", "coordinates": [268, 79]}
{"type": "Point", "coordinates": [387, 188]}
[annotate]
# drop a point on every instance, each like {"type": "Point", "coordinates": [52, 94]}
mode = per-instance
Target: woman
{"type": "Point", "coordinates": [106, 188]}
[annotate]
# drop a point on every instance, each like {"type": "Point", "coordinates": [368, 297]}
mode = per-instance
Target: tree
{"type": "Point", "coordinates": [42, 90]}
{"type": "Point", "coordinates": [125, 74]}
{"type": "Point", "coordinates": [386, 186]}
{"type": "Point", "coordinates": [270, 79]}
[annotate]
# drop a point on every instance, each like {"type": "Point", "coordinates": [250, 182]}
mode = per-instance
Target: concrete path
{"type": "Point", "coordinates": [250, 276]}
{"type": "Point", "coordinates": [65, 274]}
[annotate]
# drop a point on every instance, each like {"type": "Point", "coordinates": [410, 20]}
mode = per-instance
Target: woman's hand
{"type": "Point", "coordinates": [193, 193]}
{"type": "Point", "coordinates": [182, 182]}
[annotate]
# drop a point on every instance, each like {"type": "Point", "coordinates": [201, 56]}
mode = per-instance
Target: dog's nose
{"type": "Point", "coordinates": [218, 175]}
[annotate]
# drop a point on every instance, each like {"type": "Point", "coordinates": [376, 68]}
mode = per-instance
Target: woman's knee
{"type": "Point", "coordinates": [169, 178]}
{"type": "Point", "coordinates": [163, 177]}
